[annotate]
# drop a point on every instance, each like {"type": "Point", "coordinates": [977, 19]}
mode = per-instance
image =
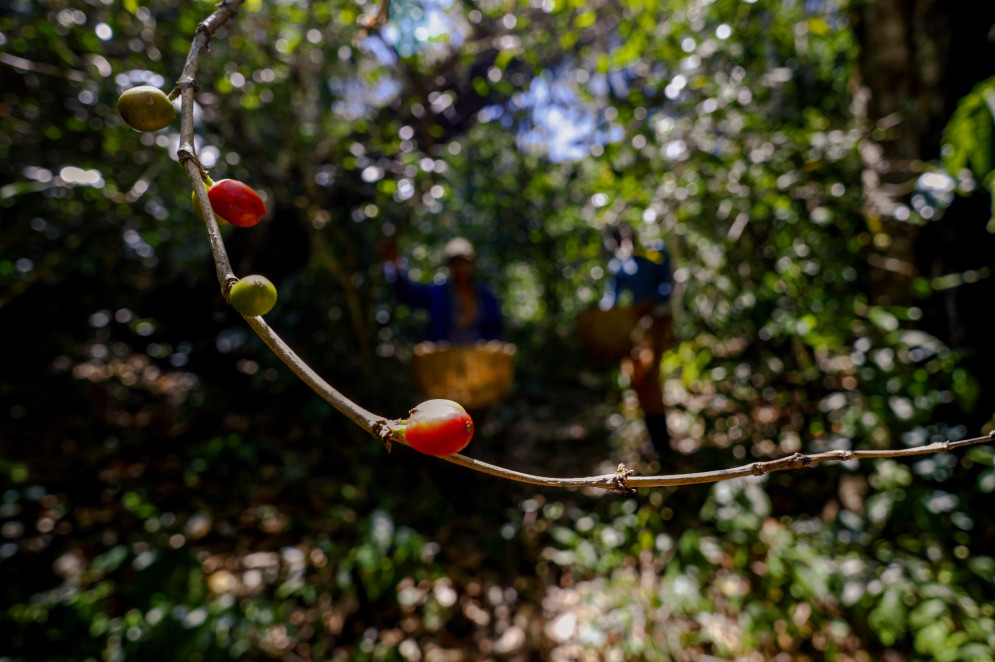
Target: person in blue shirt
{"type": "Point", "coordinates": [461, 310]}
{"type": "Point", "coordinates": [643, 281]}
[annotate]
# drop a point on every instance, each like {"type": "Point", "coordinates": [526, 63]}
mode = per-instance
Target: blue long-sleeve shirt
{"type": "Point", "coordinates": [439, 300]}
{"type": "Point", "coordinates": [636, 280]}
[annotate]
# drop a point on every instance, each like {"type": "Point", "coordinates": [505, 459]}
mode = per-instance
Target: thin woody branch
{"type": "Point", "coordinates": [186, 153]}
{"type": "Point", "coordinates": [368, 421]}
{"type": "Point", "coordinates": [794, 461]}
{"type": "Point", "coordinates": [388, 430]}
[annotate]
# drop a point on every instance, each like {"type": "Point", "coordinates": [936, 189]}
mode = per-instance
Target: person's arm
{"type": "Point", "coordinates": [410, 293]}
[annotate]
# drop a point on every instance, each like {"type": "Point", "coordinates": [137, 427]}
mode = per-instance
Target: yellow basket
{"type": "Point", "coordinates": [611, 334]}
{"type": "Point", "coordinates": [476, 376]}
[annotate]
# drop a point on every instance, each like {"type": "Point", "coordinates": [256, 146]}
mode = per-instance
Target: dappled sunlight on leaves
{"type": "Point", "coordinates": [169, 491]}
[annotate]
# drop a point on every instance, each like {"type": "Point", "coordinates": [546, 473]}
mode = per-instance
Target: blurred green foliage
{"type": "Point", "coordinates": [169, 491]}
{"type": "Point", "coordinates": [969, 141]}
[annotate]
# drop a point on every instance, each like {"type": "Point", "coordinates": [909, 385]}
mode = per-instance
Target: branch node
{"type": "Point", "coordinates": [185, 154]}
{"type": "Point", "coordinates": [382, 430]}
{"type": "Point", "coordinates": [620, 482]}
{"type": "Point", "coordinates": [184, 83]}
{"type": "Point", "coordinates": [226, 286]}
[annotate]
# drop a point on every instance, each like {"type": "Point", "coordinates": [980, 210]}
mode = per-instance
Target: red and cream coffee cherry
{"type": "Point", "coordinates": [236, 203]}
{"type": "Point", "coordinates": [253, 295]}
{"type": "Point", "coordinates": [439, 427]}
{"type": "Point", "coordinates": [146, 108]}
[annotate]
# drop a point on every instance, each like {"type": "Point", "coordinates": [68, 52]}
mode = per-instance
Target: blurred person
{"type": "Point", "coordinates": [461, 310]}
{"type": "Point", "coordinates": [643, 280]}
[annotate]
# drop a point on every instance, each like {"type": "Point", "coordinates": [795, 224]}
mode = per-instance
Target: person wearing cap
{"type": "Point", "coordinates": [644, 281]}
{"type": "Point", "coordinates": [461, 310]}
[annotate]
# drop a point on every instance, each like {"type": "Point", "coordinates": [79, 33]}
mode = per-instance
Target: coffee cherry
{"type": "Point", "coordinates": [193, 199]}
{"type": "Point", "coordinates": [439, 427]}
{"type": "Point", "coordinates": [253, 295]}
{"type": "Point", "coordinates": [236, 202]}
{"type": "Point", "coordinates": [146, 108]}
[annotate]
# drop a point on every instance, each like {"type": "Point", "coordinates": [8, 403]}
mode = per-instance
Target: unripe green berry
{"type": "Point", "coordinates": [253, 295]}
{"type": "Point", "coordinates": [146, 108]}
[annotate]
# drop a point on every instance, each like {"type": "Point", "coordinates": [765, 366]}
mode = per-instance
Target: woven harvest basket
{"type": "Point", "coordinates": [611, 334]}
{"type": "Point", "coordinates": [476, 376]}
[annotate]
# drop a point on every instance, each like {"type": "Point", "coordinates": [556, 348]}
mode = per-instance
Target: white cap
{"type": "Point", "coordinates": [459, 247]}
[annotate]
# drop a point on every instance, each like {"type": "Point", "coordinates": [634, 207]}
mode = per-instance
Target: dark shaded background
{"type": "Point", "coordinates": [169, 491]}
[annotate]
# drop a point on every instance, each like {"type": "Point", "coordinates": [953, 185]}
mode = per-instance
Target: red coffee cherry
{"type": "Point", "coordinates": [439, 427]}
{"type": "Point", "coordinates": [236, 203]}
